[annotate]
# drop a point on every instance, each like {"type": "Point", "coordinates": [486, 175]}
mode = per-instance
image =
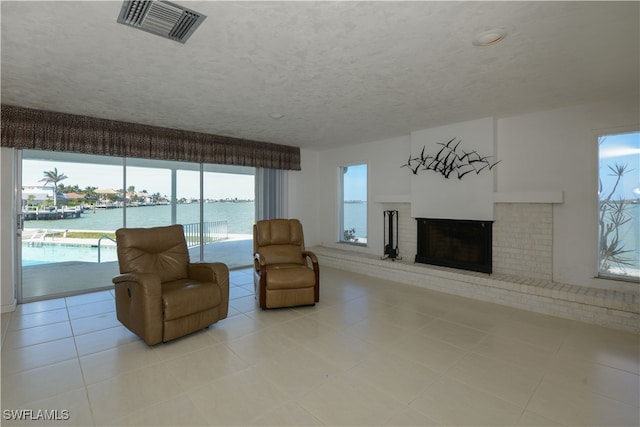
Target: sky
{"type": "Point", "coordinates": [355, 183]}
{"type": "Point", "coordinates": [621, 149]}
{"type": "Point", "coordinates": [217, 185]}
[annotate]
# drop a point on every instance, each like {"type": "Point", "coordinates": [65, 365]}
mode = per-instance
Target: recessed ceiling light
{"type": "Point", "coordinates": [489, 38]}
{"type": "Point", "coordinates": [276, 116]}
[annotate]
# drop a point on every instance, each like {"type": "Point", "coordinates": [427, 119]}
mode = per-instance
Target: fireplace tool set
{"type": "Point", "coordinates": [391, 235]}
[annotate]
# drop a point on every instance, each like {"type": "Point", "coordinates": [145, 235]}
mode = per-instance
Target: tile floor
{"type": "Point", "coordinates": [372, 352]}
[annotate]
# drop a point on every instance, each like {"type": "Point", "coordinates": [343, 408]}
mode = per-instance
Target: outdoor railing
{"type": "Point", "coordinates": [100, 246]}
{"type": "Point", "coordinates": [213, 231]}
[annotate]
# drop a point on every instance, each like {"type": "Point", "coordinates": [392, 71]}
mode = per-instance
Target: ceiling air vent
{"type": "Point", "coordinates": [161, 18]}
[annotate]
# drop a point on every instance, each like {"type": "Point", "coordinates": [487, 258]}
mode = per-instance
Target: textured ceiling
{"type": "Point", "coordinates": [340, 72]}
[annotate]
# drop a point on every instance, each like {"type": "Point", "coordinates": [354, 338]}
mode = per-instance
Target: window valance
{"type": "Point", "coordinates": [52, 131]}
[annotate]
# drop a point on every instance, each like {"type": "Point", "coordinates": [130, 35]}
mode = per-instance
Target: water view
{"type": "Point", "coordinates": [71, 201]}
{"type": "Point", "coordinates": [630, 241]}
{"type": "Point", "coordinates": [355, 219]}
{"type": "Point", "coordinates": [239, 216]}
{"type": "Point", "coordinates": [44, 241]}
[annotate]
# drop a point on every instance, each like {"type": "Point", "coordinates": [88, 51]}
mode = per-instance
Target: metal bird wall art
{"type": "Point", "coordinates": [450, 160]}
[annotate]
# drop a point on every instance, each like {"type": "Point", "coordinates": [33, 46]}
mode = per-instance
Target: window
{"type": "Point", "coordinates": [353, 204]}
{"type": "Point", "coordinates": [73, 203]}
{"type": "Point", "coordinates": [619, 206]}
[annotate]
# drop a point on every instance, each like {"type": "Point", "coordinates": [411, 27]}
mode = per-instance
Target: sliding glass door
{"type": "Point", "coordinates": [228, 214]}
{"type": "Point", "coordinates": [72, 204]}
{"type": "Point", "coordinates": [70, 210]}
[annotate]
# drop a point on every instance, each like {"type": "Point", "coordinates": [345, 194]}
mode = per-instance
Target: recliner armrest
{"type": "Point", "coordinates": [311, 256]}
{"type": "Point", "coordinates": [259, 259]}
{"type": "Point", "coordinates": [149, 283]}
{"type": "Point", "coordinates": [216, 272]}
{"type": "Point", "coordinates": [316, 272]}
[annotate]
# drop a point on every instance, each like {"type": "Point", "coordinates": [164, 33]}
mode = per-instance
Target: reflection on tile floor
{"type": "Point", "coordinates": [372, 352]}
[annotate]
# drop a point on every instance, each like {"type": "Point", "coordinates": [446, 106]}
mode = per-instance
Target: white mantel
{"type": "Point", "coordinates": [528, 197]}
{"type": "Point", "coordinates": [554, 197]}
{"type": "Point", "coordinates": [393, 198]}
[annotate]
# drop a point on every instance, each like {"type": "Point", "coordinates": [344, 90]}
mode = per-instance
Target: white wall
{"type": "Point", "coordinates": [471, 197]}
{"type": "Point", "coordinates": [546, 151]}
{"type": "Point", "coordinates": [313, 192]}
{"type": "Point", "coordinates": [7, 288]}
{"type": "Point", "coordinates": [558, 150]}
{"type": "Point", "coordinates": [303, 192]}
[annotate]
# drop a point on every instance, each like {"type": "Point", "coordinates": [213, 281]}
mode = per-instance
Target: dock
{"type": "Point", "coordinates": [36, 213]}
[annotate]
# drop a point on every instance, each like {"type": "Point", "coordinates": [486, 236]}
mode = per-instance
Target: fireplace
{"type": "Point", "coordinates": [463, 244]}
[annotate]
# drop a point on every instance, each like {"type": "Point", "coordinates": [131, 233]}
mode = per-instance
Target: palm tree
{"type": "Point", "coordinates": [55, 178]}
{"type": "Point", "coordinates": [131, 191]}
{"type": "Point", "coordinates": [90, 193]}
{"type": "Point", "coordinates": [614, 213]}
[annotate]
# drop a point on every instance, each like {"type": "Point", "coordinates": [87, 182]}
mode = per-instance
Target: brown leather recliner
{"type": "Point", "coordinates": [282, 276]}
{"type": "Point", "coordinates": [160, 294]}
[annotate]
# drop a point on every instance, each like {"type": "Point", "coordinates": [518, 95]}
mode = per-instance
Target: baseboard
{"type": "Point", "coordinates": [8, 308]}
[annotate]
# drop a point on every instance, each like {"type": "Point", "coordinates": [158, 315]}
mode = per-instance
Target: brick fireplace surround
{"type": "Point", "coordinates": [522, 270]}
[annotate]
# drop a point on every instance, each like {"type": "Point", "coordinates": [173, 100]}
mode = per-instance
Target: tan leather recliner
{"type": "Point", "coordinates": [282, 276]}
{"type": "Point", "coordinates": [160, 295]}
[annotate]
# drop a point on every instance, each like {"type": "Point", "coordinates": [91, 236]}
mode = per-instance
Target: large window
{"type": "Point", "coordinates": [73, 203]}
{"type": "Point", "coordinates": [619, 206]}
{"type": "Point", "coordinates": [353, 204]}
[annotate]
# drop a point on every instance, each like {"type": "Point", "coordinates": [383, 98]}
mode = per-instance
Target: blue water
{"type": "Point", "coordinates": [630, 236]}
{"type": "Point", "coordinates": [239, 216]}
{"type": "Point", "coordinates": [355, 216]}
{"type": "Point", "coordinates": [38, 253]}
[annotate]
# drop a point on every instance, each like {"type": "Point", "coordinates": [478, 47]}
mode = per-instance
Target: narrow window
{"type": "Point", "coordinates": [619, 206]}
{"type": "Point", "coordinates": [353, 203]}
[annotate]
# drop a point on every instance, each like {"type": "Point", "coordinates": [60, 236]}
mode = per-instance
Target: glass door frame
{"type": "Point", "coordinates": [18, 223]}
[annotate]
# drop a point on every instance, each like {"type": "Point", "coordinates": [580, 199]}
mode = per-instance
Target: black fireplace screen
{"type": "Point", "coordinates": [463, 244]}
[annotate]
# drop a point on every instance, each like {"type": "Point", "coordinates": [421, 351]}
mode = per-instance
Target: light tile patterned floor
{"type": "Point", "coordinates": [372, 352]}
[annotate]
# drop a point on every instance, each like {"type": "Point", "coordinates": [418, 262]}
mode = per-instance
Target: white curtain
{"type": "Point", "coordinates": [271, 193]}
